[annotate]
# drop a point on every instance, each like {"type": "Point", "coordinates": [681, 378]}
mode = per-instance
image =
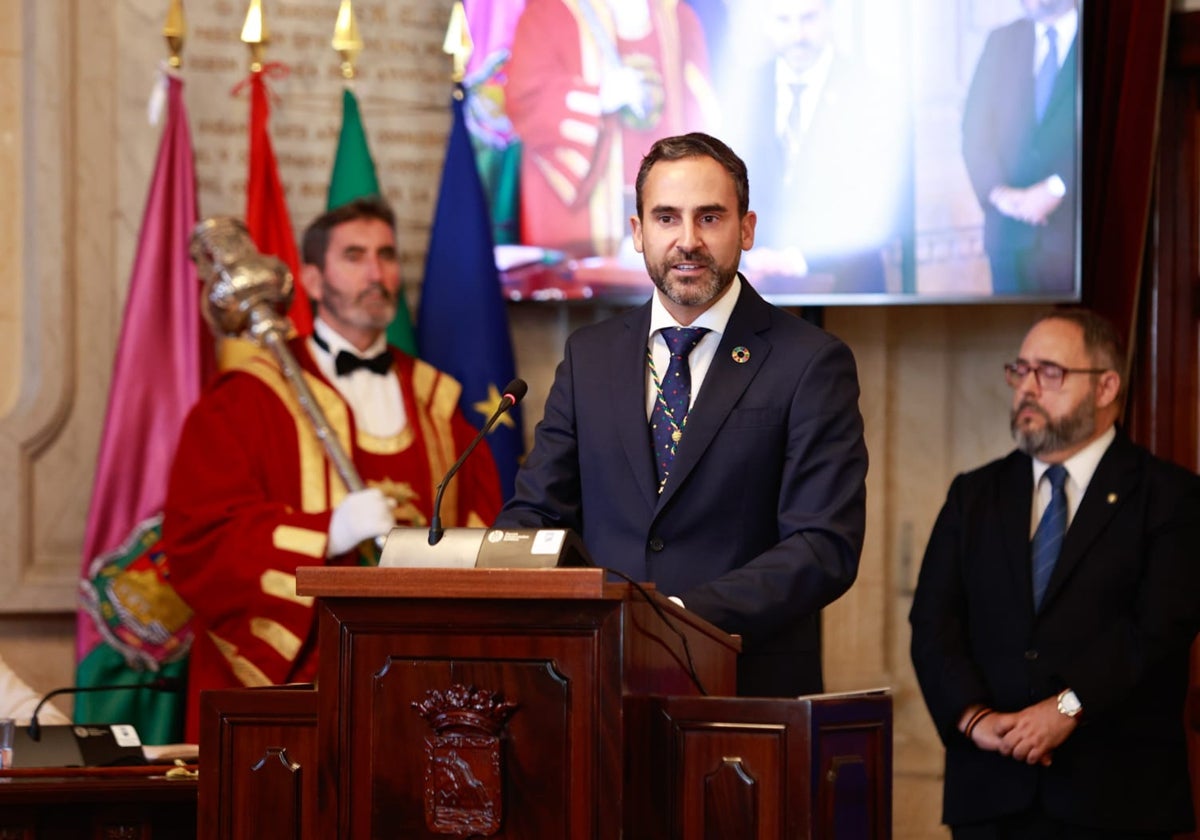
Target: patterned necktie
{"type": "Point", "coordinates": [672, 394]}
{"type": "Point", "coordinates": [1043, 84]}
{"type": "Point", "coordinates": [1048, 538]}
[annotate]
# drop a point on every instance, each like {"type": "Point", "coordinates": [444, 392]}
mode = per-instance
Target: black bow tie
{"type": "Point", "coordinates": [346, 362]}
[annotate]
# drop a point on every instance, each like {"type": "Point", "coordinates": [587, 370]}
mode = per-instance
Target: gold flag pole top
{"type": "Point", "coordinates": [174, 30]}
{"type": "Point", "coordinates": [254, 33]}
{"type": "Point", "coordinates": [458, 43]}
{"type": "Point", "coordinates": [346, 39]}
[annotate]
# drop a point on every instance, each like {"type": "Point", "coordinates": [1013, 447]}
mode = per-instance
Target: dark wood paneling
{"type": "Point", "coordinates": [812, 768]}
{"type": "Point", "coordinates": [98, 806]}
{"type": "Point", "coordinates": [259, 751]}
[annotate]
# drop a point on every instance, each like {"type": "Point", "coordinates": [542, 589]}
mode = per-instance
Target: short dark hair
{"type": "Point", "coordinates": [316, 236]}
{"type": "Point", "coordinates": [697, 144]}
{"type": "Point", "coordinates": [1101, 338]}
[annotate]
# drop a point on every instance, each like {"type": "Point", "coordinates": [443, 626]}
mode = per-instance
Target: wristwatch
{"type": "Point", "coordinates": [1068, 704]}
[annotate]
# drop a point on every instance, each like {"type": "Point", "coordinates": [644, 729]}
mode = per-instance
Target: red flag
{"type": "Point", "coordinates": [131, 620]}
{"type": "Point", "coordinates": [266, 206]}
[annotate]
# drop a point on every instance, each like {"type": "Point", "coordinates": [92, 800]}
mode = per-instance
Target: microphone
{"type": "Point", "coordinates": [514, 392]}
{"type": "Point", "coordinates": [159, 684]}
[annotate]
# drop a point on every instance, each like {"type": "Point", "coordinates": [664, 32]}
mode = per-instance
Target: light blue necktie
{"type": "Point", "coordinates": [1043, 85]}
{"type": "Point", "coordinates": [1048, 538]}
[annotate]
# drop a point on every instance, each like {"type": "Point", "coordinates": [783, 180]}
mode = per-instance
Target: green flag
{"type": "Point", "coordinates": [353, 177]}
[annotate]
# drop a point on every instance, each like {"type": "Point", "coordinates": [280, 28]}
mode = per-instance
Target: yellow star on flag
{"type": "Point", "coordinates": [487, 407]}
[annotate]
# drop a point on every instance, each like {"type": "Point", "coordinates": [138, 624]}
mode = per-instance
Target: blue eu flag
{"type": "Point", "coordinates": [462, 324]}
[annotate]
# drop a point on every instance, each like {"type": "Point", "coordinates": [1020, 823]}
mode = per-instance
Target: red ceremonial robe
{"type": "Point", "coordinates": [252, 491]}
{"type": "Point", "coordinates": [578, 165]}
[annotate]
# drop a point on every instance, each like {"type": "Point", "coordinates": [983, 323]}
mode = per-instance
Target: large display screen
{"type": "Point", "coordinates": [898, 150]}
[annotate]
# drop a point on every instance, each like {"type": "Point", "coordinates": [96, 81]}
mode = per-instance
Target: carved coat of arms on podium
{"type": "Point", "coordinates": [464, 791]}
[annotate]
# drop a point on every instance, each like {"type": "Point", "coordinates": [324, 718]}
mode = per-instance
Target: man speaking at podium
{"type": "Point", "coordinates": [252, 495]}
{"type": "Point", "coordinates": [708, 441]}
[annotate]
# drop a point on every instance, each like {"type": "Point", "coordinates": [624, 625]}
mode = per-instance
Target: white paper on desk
{"type": "Point", "coordinates": [166, 753]}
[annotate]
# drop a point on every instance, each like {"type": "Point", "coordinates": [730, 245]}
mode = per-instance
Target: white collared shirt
{"type": "Point", "coordinates": [1080, 468]}
{"type": "Point", "coordinates": [715, 318]}
{"type": "Point", "coordinates": [376, 400]}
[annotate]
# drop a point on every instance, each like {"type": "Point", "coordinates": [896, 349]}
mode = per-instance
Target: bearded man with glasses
{"type": "Point", "coordinates": [1055, 610]}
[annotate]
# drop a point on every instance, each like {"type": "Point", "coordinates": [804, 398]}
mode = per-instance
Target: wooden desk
{"type": "Point", "coordinates": [96, 803]}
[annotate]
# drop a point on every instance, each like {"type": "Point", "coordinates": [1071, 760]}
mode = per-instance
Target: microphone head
{"type": "Point", "coordinates": [516, 390]}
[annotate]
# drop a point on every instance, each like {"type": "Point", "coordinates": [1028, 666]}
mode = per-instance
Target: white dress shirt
{"type": "Point", "coordinates": [1080, 468]}
{"type": "Point", "coordinates": [714, 319]}
{"type": "Point", "coordinates": [376, 400]}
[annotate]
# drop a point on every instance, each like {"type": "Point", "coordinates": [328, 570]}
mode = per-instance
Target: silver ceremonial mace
{"type": "Point", "coordinates": [248, 293]}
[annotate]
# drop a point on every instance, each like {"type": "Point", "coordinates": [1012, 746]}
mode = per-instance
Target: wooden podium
{"type": "Point", "coordinates": [456, 703]}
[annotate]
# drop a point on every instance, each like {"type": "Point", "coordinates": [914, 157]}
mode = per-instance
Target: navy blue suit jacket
{"type": "Point", "coordinates": [761, 522]}
{"type": "Point", "coordinates": [1116, 626]}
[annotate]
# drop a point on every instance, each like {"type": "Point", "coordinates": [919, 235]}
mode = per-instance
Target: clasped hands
{"type": "Point", "coordinates": [1030, 735]}
{"type": "Point", "coordinates": [1031, 205]}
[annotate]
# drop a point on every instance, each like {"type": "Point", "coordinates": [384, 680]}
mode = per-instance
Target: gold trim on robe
{"type": "Point", "coordinates": [245, 670]}
{"type": "Point", "coordinates": [282, 640]}
{"type": "Point", "coordinates": [279, 584]}
{"type": "Point", "coordinates": [300, 540]}
{"type": "Point", "coordinates": [320, 486]}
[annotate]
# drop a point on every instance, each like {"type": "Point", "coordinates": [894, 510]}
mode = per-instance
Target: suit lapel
{"type": "Point", "coordinates": [1063, 92]}
{"type": "Point", "coordinates": [628, 401]}
{"type": "Point", "coordinates": [1016, 505]}
{"type": "Point", "coordinates": [723, 385]}
{"type": "Point", "coordinates": [1114, 479]}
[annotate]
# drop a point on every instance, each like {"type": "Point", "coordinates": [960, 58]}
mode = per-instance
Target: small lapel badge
{"type": "Point", "coordinates": [1112, 498]}
{"type": "Point", "coordinates": [740, 354]}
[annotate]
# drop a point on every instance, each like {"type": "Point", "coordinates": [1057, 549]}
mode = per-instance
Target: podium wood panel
{"type": "Point", "coordinates": [534, 704]}
{"type": "Point", "coordinates": [258, 752]}
{"type": "Point", "coordinates": [562, 646]}
{"type": "Point", "coordinates": [809, 768]}
{"type": "Point", "coordinates": [520, 584]}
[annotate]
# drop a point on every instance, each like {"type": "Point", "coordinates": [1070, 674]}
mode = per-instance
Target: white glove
{"type": "Point", "coordinates": [363, 515]}
{"type": "Point", "coordinates": [623, 87]}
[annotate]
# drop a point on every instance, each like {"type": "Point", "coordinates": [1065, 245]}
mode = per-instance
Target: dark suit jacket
{"type": "Point", "coordinates": [1004, 144]}
{"type": "Point", "coordinates": [761, 522]}
{"type": "Point", "coordinates": [852, 195]}
{"type": "Point", "coordinates": [1119, 616]}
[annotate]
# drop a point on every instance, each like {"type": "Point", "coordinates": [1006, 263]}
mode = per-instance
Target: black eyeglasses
{"type": "Point", "coordinates": [1049, 376]}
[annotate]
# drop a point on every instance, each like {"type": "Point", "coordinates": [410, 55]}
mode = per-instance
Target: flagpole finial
{"type": "Point", "coordinates": [346, 39]}
{"type": "Point", "coordinates": [174, 30]}
{"type": "Point", "coordinates": [254, 34]}
{"type": "Point", "coordinates": [458, 41]}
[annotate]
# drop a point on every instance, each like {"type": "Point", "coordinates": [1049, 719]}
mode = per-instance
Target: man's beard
{"type": "Point", "coordinates": [366, 316]}
{"type": "Point", "coordinates": [696, 292]}
{"type": "Point", "coordinates": [1054, 435]}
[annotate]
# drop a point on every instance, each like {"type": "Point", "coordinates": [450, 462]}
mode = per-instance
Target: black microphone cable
{"type": "Point", "coordinates": [687, 651]}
